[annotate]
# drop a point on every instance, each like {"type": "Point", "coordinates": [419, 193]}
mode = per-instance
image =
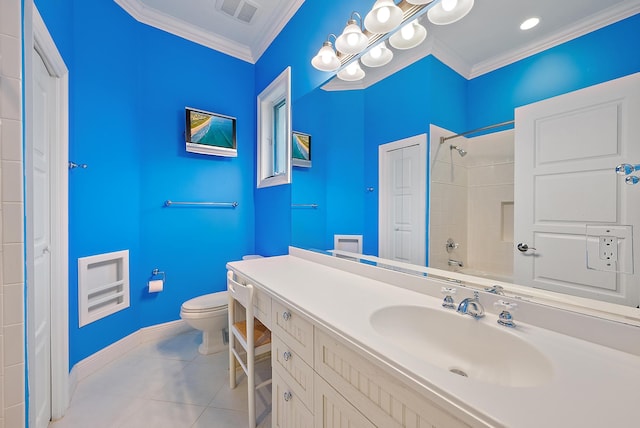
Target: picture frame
{"type": "Point", "coordinates": [210, 133]}
{"type": "Point", "coordinates": [300, 149]}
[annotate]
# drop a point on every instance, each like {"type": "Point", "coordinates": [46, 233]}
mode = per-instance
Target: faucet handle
{"type": "Point", "coordinates": [448, 299]}
{"type": "Point", "coordinates": [505, 318]}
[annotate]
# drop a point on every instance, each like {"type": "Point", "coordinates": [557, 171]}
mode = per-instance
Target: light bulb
{"type": "Point", "coordinates": [529, 23]}
{"type": "Point", "coordinates": [352, 39]}
{"type": "Point", "coordinates": [326, 57]}
{"type": "Point", "coordinates": [407, 31]}
{"type": "Point", "coordinates": [376, 52]}
{"type": "Point", "coordinates": [449, 5]}
{"type": "Point", "coordinates": [383, 14]}
{"type": "Point", "coordinates": [352, 68]}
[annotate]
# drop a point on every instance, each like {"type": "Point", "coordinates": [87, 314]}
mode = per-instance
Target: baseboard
{"type": "Point", "coordinates": [100, 359]}
{"type": "Point", "coordinates": [163, 331]}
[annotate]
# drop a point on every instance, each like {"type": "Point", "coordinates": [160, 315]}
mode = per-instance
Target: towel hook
{"type": "Point", "coordinates": [73, 165]}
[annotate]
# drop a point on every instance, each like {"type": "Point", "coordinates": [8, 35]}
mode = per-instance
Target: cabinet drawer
{"type": "Point", "coordinates": [333, 411]}
{"type": "Point", "coordinates": [288, 411]}
{"type": "Point", "coordinates": [295, 330]}
{"type": "Point", "coordinates": [385, 400]}
{"type": "Point", "coordinates": [297, 373]}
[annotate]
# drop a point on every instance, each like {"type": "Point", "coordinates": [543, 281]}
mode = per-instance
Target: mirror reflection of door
{"type": "Point", "coordinates": [402, 210]}
{"type": "Point", "coordinates": [567, 148]}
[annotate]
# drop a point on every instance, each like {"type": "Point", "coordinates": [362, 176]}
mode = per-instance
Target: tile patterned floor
{"type": "Point", "coordinates": [166, 384]}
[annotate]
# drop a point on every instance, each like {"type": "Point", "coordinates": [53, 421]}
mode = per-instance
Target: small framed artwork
{"type": "Point", "coordinates": [300, 149]}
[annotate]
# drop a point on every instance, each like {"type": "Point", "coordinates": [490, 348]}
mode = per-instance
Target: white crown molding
{"type": "Point", "coordinates": [451, 59]}
{"type": "Point", "coordinates": [447, 56]}
{"type": "Point", "coordinates": [172, 25]}
{"type": "Point", "coordinates": [580, 28]}
{"type": "Point", "coordinates": [262, 43]}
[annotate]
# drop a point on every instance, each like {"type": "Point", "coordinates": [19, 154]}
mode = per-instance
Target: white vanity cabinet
{"type": "Point", "coordinates": [332, 366]}
{"type": "Point", "coordinates": [386, 401]}
{"type": "Point", "coordinates": [310, 366]}
{"type": "Point", "coordinates": [291, 362]}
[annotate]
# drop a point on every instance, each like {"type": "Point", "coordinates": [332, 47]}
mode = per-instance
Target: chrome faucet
{"type": "Point", "coordinates": [495, 289]}
{"type": "Point", "coordinates": [456, 263]}
{"type": "Point", "coordinates": [471, 306]}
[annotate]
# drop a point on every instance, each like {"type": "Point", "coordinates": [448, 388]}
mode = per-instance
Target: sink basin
{"type": "Point", "coordinates": [463, 346]}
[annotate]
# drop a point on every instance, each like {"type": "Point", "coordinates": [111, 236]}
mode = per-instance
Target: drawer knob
{"type": "Point", "coordinates": [286, 355]}
{"type": "Point", "coordinates": [286, 315]}
{"type": "Point", "coordinates": [287, 396]}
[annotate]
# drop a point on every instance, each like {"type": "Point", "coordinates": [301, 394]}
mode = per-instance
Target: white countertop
{"type": "Point", "coordinates": [592, 385]}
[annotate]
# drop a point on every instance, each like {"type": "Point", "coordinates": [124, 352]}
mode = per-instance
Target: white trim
{"type": "Point", "coordinates": [277, 91]}
{"type": "Point", "coordinates": [435, 47]}
{"type": "Point", "coordinates": [38, 37]}
{"type": "Point", "coordinates": [100, 359]}
{"type": "Point", "coordinates": [383, 184]}
{"type": "Point", "coordinates": [252, 53]}
{"type": "Point", "coordinates": [580, 28]}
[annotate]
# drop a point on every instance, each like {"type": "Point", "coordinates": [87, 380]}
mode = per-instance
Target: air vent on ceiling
{"type": "Point", "coordinates": [240, 10]}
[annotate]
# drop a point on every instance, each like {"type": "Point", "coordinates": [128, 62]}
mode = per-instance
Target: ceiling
{"type": "Point", "coordinates": [241, 28]}
{"type": "Point", "coordinates": [486, 39]}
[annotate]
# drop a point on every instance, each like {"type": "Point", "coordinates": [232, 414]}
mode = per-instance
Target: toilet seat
{"type": "Point", "coordinates": [213, 302]}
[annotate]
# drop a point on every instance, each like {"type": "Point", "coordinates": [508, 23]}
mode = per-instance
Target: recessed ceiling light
{"type": "Point", "coordinates": [529, 23]}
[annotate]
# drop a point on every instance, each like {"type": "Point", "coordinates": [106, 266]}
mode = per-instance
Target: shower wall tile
{"type": "Point", "coordinates": [10, 18]}
{"type": "Point", "coordinates": [15, 416]}
{"type": "Point", "coordinates": [14, 334]}
{"type": "Point", "coordinates": [11, 181]}
{"type": "Point", "coordinates": [11, 139]}
{"type": "Point", "coordinates": [10, 98]}
{"type": "Point", "coordinates": [12, 309]}
{"type": "Point", "coordinates": [491, 175]}
{"type": "Point", "coordinates": [12, 215]}
{"type": "Point", "coordinates": [12, 388]}
{"type": "Point", "coordinates": [13, 262]}
{"type": "Point", "coordinates": [10, 64]}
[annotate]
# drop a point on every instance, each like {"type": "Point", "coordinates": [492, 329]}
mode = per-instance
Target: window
{"type": "Point", "coordinates": [274, 130]}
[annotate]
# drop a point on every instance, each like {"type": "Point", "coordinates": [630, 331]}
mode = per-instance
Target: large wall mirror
{"type": "Point", "coordinates": [439, 95]}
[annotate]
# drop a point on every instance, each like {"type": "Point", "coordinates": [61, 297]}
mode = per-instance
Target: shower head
{"type": "Point", "coordinates": [460, 151]}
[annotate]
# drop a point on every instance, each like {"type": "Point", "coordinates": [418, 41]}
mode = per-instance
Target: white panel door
{"type": "Point", "coordinates": [566, 151]}
{"type": "Point", "coordinates": [43, 114]}
{"type": "Point", "coordinates": [402, 227]}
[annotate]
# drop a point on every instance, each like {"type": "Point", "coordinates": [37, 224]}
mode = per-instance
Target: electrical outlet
{"type": "Point", "coordinates": [609, 248]}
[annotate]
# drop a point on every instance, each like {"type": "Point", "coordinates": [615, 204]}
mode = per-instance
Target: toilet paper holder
{"type": "Point", "coordinates": [158, 273]}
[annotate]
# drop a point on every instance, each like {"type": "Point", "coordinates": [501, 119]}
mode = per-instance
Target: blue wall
{"type": "Point", "coordinates": [429, 92]}
{"type": "Point", "coordinates": [128, 90]}
{"type": "Point", "coordinates": [597, 57]}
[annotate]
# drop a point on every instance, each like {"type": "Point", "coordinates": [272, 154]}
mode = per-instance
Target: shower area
{"type": "Point", "coordinates": [471, 203]}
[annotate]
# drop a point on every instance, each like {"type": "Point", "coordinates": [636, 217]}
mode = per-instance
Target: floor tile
{"type": "Point", "coordinates": [166, 383]}
{"type": "Point", "coordinates": [163, 414]}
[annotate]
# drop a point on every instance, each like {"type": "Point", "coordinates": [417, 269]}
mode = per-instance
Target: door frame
{"type": "Point", "coordinates": [37, 38]}
{"type": "Point", "coordinates": [384, 184]}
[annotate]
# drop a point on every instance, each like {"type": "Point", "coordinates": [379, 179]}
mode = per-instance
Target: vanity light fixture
{"type": "Point", "coordinates": [383, 17]}
{"type": "Point", "coordinates": [326, 58]}
{"type": "Point", "coordinates": [449, 11]}
{"type": "Point", "coordinates": [387, 20]}
{"type": "Point", "coordinates": [378, 56]}
{"type": "Point", "coordinates": [351, 72]}
{"type": "Point", "coordinates": [409, 36]}
{"type": "Point", "coordinates": [529, 23]}
{"type": "Point", "coordinates": [352, 40]}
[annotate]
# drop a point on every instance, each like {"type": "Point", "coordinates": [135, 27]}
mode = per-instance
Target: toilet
{"type": "Point", "coordinates": [208, 313]}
